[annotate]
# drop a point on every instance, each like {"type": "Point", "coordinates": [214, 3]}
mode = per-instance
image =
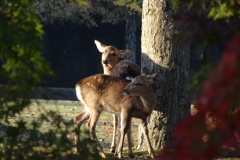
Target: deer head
{"type": "Point", "coordinates": [141, 84]}
{"type": "Point", "coordinates": [111, 56]}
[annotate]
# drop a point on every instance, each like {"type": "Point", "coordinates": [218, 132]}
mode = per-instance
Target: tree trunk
{"type": "Point", "coordinates": [162, 53]}
{"type": "Point", "coordinates": [133, 27]}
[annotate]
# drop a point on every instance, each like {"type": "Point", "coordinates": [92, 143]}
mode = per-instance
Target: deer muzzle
{"type": "Point", "coordinates": [125, 91]}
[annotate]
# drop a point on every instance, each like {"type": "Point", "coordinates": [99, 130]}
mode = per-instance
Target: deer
{"type": "Point", "coordinates": [128, 99]}
{"type": "Point", "coordinates": [114, 63]}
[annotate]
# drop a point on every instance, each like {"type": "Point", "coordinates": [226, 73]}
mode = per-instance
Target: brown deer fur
{"type": "Point", "coordinates": [112, 94]}
{"type": "Point", "coordinates": [114, 63]}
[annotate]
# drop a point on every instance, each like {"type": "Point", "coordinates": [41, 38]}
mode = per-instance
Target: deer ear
{"type": "Point", "coordinates": [100, 46]}
{"type": "Point", "coordinates": [144, 71]}
{"type": "Point", "coordinates": [125, 53]}
{"type": "Point", "coordinates": [154, 76]}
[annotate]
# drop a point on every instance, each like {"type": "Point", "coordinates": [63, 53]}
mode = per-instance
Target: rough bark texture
{"type": "Point", "coordinates": [162, 53]}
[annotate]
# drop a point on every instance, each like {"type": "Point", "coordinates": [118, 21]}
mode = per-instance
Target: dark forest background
{"type": "Point", "coordinates": [72, 53]}
{"type": "Point", "coordinates": [70, 31]}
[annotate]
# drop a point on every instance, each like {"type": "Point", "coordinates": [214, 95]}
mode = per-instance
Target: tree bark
{"type": "Point", "coordinates": [161, 52]}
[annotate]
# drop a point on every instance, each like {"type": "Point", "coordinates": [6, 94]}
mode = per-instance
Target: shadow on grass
{"type": "Point", "coordinates": [63, 120]}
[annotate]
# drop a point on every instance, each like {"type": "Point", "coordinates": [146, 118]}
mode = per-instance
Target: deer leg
{"type": "Point", "coordinates": [118, 137]}
{"type": "Point", "coordinates": [140, 134]}
{"type": "Point", "coordinates": [130, 135]}
{"type": "Point", "coordinates": [78, 121]}
{"type": "Point", "coordinates": [130, 142]}
{"type": "Point", "coordinates": [130, 152]}
{"type": "Point", "coordinates": [115, 126]}
{"type": "Point", "coordinates": [140, 137]}
{"type": "Point", "coordinates": [125, 122]}
{"type": "Point", "coordinates": [92, 125]}
{"type": "Point", "coordinates": [145, 132]}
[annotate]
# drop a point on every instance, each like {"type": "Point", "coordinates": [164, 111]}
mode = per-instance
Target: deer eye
{"type": "Point", "coordinates": [114, 54]}
{"type": "Point", "coordinates": [136, 83]}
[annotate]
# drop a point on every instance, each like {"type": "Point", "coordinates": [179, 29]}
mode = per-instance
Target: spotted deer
{"type": "Point", "coordinates": [114, 63]}
{"type": "Point", "coordinates": [135, 99]}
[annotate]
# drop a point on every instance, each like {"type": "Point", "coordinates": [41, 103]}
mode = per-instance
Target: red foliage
{"type": "Point", "coordinates": [214, 129]}
{"type": "Point", "coordinates": [3, 86]}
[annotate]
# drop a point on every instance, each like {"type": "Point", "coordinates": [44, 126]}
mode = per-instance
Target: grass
{"type": "Point", "coordinates": [68, 110]}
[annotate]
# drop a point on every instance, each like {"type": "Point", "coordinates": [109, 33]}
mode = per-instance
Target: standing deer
{"type": "Point", "coordinates": [114, 63]}
{"type": "Point", "coordinates": [119, 96]}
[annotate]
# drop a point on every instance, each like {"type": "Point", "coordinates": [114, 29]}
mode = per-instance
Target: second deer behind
{"type": "Point", "coordinates": [115, 63]}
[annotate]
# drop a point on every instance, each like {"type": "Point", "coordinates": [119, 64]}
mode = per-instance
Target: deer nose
{"type": "Point", "coordinates": [105, 61]}
{"type": "Point", "coordinates": [125, 91]}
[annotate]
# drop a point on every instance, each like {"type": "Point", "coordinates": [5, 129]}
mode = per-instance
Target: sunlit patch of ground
{"type": "Point", "coordinates": [68, 110]}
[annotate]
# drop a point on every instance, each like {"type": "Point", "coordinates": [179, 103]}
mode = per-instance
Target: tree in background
{"type": "Point", "coordinates": [133, 26]}
{"type": "Point", "coordinates": [93, 12]}
{"type": "Point", "coordinates": [213, 130]}
{"type": "Point", "coordinates": [203, 22]}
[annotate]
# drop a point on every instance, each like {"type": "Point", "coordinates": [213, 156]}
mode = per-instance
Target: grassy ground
{"type": "Point", "coordinates": [68, 110]}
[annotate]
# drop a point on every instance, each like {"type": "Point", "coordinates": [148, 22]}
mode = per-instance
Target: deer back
{"type": "Point", "coordinates": [104, 92]}
{"type": "Point", "coordinates": [126, 69]}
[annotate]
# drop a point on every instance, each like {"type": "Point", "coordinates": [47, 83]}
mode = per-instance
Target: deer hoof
{"type": "Point", "coordinates": [102, 154]}
{"type": "Point", "coordinates": [112, 150]}
{"type": "Point", "coordinates": [152, 156]}
{"type": "Point", "coordinates": [119, 156]}
{"type": "Point", "coordinates": [139, 147]}
{"type": "Point", "coordinates": [131, 155]}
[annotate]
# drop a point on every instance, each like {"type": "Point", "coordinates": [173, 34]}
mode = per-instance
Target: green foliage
{"type": "Point", "coordinates": [198, 78]}
{"type": "Point", "coordinates": [217, 9]}
{"type": "Point", "coordinates": [79, 2]}
{"type": "Point", "coordinates": [210, 23]}
{"type": "Point", "coordinates": [132, 5]}
{"type": "Point", "coordinates": [89, 13]}
{"type": "Point", "coordinates": [29, 140]}
{"type": "Point", "coordinates": [222, 10]}
{"type": "Point", "coordinates": [22, 68]}
{"type": "Point", "coordinates": [51, 11]}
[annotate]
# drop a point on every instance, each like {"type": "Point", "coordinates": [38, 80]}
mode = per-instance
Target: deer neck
{"type": "Point", "coordinates": [107, 70]}
{"type": "Point", "coordinates": [149, 101]}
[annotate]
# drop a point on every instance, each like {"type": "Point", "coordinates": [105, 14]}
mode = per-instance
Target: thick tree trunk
{"type": "Point", "coordinates": [162, 53]}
